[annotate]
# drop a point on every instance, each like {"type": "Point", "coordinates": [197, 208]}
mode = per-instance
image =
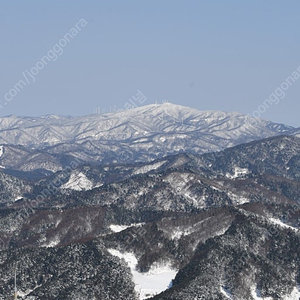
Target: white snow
{"type": "Point", "coordinates": [238, 199]}
{"type": "Point", "coordinates": [149, 168]}
{"type": "Point", "coordinates": [226, 293]}
{"type": "Point", "coordinates": [1, 153]}
{"type": "Point", "coordinates": [178, 233]}
{"type": "Point", "coordinates": [54, 242]}
{"type": "Point", "coordinates": [238, 172]}
{"type": "Point", "coordinates": [18, 198]}
{"type": "Point", "coordinates": [167, 122]}
{"type": "Point", "coordinates": [216, 188]}
{"type": "Point", "coordinates": [221, 231]}
{"type": "Point", "coordinates": [295, 294]}
{"type": "Point", "coordinates": [24, 295]}
{"type": "Point", "coordinates": [148, 284]}
{"type": "Point", "coordinates": [119, 228]}
{"type": "Point", "coordinates": [255, 293]}
{"type": "Point", "coordinates": [179, 181]}
{"type": "Point", "coordinates": [183, 231]}
{"type": "Point", "coordinates": [78, 182]}
{"type": "Point", "coordinates": [281, 224]}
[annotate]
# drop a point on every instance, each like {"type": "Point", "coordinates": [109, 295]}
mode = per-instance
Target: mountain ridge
{"type": "Point", "coordinates": [110, 218]}
{"type": "Point", "coordinates": [137, 135]}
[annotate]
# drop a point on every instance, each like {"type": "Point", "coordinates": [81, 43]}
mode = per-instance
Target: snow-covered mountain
{"type": "Point", "coordinates": [213, 226]}
{"type": "Point", "coordinates": [140, 134]}
{"type": "Point", "coordinates": [156, 121]}
{"type": "Point", "coordinates": [80, 223]}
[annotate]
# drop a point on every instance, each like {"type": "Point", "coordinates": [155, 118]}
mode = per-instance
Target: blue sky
{"type": "Point", "coordinates": [219, 55]}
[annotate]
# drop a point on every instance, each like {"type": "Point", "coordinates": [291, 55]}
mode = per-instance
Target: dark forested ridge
{"type": "Point", "coordinates": [226, 223]}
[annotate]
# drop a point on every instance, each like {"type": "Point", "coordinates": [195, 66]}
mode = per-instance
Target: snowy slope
{"type": "Point", "coordinates": [78, 182]}
{"type": "Point", "coordinates": [148, 284]}
{"type": "Point", "coordinates": [134, 123]}
{"type": "Point", "coordinates": [139, 134]}
{"type": "Point", "coordinates": [295, 295]}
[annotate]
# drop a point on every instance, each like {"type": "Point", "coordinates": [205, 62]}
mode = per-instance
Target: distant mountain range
{"type": "Point", "coordinates": [152, 122]}
{"type": "Point", "coordinates": [141, 134]}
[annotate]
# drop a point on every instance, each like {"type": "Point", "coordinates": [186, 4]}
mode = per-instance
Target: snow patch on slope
{"type": "Point", "coordinates": [18, 198]}
{"type": "Point", "coordinates": [148, 168]}
{"type": "Point", "coordinates": [24, 295]}
{"type": "Point", "coordinates": [295, 295]}
{"type": "Point", "coordinates": [180, 231]}
{"type": "Point", "coordinates": [281, 224]}
{"type": "Point", "coordinates": [119, 228]}
{"type": "Point", "coordinates": [78, 182]}
{"type": "Point", "coordinates": [256, 294]}
{"type": "Point", "coordinates": [226, 293]}
{"type": "Point", "coordinates": [148, 284]}
{"type": "Point", "coordinates": [1, 153]}
{"type": "Point", "coordinates": [222, 231]}
{"type": "Point", "coordinates": [50, 244]}
{"type": "Point", "coordinates": [238, 199]}
{"type": "Point", "coordinates": [238, 172]}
